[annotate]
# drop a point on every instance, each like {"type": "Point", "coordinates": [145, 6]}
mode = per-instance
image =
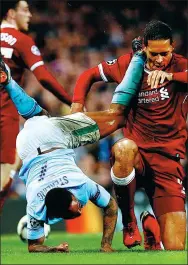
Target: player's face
{"type": "Point", "coordinates": [22, 15]}
{"type": "Point", "coordinates": [75, 209]}
{"type": "Point", "coordinates": [159, 54]}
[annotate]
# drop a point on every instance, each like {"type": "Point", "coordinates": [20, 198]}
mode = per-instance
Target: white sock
{"type": "Point", "coordinates": [123, 181]}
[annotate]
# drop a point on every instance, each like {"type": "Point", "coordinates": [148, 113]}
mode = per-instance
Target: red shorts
{"type": "Point", "coordinates": [162, 176]}
{"type": "Point", "coordinates": [9, 129]}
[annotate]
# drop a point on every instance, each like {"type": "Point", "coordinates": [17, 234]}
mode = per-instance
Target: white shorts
{"type": "Point", "coordinates": [67, 132]}
{"type": "Point", "coordinates": [81, 129]}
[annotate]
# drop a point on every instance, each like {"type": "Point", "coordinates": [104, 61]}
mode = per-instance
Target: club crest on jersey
{"type": "Point", "coordinates": [164, 93]}
{"type": "Point", "coordinates": [111, 62]}
{"type": "Point", "coordinates": [35, 50]}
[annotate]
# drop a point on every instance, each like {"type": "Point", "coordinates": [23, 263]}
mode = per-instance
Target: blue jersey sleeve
{"type": "Point", "coordinates": [35, 228]}
{"type": "Point", "coordinates": [97, 194]}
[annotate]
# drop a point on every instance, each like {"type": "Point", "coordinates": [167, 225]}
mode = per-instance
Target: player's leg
{"type": "Point", "coordinates": [173, 224]}
{"type": "Point", "coordinates": [27, 107]}
{"type": "Point", "coordinates": [9, 129]}
{"type": "Point", "coordinates": [125, 158]}
{"type": "Point", "coordinates": [169, 201]}
{"type": "Point", "coordinates": [8, 172]}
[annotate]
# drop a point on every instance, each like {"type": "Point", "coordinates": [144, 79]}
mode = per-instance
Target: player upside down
{"type": "Point", "coordinates": [55, 187]}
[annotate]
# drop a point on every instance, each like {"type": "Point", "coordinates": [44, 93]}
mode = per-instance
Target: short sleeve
{"type": "Point", "coordinates": [97, 194]}
{"type": "Point", "coordinates": [30, 53]}
{"type": "Point", "coordinates": [114, 70]}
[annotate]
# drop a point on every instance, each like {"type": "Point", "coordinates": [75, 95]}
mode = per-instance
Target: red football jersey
{"type": "Point", "coordinates": [157, 120]}
{"type": "Point", "coordinates": [19, 52]}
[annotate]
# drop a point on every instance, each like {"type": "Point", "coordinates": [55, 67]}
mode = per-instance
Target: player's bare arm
{"type": "Point", "coordinates": [37, 246]}
{"type": "Point", "coordinates": [77, 107]}
{"type": "Point", "coordinates": [109, 223]}
{"type": "Point", "coordinates": [90, 76]}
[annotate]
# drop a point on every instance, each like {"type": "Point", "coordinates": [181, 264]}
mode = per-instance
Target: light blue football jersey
{"type": "Point", "coordinates": [52, 170]}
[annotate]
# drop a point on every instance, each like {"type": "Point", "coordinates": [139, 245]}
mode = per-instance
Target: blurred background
{"type": "Point", "coordinates": [74, 36]}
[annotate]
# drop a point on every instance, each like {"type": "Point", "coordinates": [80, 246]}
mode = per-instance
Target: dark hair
{"type": "Point", "coordinates": [57, 202]}
{"type": "Point", "coordinates": [157, 30]}
{"type": "Point", "coordinates": [8, 4]}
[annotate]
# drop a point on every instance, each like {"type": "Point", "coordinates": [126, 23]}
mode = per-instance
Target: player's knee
{"type": "Point", "coordinates": [124, 148]}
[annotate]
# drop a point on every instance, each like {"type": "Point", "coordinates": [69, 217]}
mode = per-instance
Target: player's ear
{"type": "Point", "coordinates": [11, 13]}
{"type": "Point", "coordinates": [172, 46]}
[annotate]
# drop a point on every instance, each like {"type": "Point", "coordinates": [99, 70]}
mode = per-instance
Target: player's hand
{"type": "Point", "coordinates": [158, 77]}
{"type": "Point", "coordinates": [77, 107]}
{"type": "Point", "coordinates": [63, 247]}
{"type": "Point", "coordinates": [107, 248]}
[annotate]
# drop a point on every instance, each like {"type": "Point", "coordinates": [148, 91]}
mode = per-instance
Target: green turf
{"type": "Point", "coordinates": [84, 250]}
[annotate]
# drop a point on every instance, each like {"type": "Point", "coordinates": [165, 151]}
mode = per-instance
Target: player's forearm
{"type": "Point", "coordinates": [109, 223]}
{"type": "Point", "coordinates": [42, 248]}
{"type": "Point", "coordinates": [50, 83]}
{"type": "Point", "coordinates": [180, 77]}
{"type": "Point", "coordinates": [84, 83]}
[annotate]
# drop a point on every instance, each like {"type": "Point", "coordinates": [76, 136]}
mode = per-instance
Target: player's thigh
{"type": "Point", "coordinates": [78, 129]}
{"type": "Point", "coordinates": [169, 201]}
{"type": "Point", "coordinates": [173, 230]}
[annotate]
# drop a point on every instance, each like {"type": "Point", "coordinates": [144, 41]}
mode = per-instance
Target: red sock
{"type": "Point", "coordinates": [150, 224]}
{"type": "Point", "coordinates": [125, 198]}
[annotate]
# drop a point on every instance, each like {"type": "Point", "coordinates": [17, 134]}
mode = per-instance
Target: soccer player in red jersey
{"type": "Point", "coordinates": [155, 136]}
{"type": "Point", "coordinates": [20, 53]}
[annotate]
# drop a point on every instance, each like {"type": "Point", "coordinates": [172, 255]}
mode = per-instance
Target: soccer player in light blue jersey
{"type": "Point", "coordinates": [55, 187]}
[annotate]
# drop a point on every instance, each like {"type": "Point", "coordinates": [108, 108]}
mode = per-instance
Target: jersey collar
{"type": "Point", "coordinates": [7, 25]}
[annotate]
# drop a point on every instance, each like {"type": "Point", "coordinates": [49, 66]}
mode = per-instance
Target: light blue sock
{"type": "Point", "coordinates": [130, 84]}
{"type": "Point", "coordinates": [27, 107]}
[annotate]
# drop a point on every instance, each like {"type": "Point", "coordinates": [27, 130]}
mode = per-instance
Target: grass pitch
{"type": "Point", "coordinates": [84, 249]}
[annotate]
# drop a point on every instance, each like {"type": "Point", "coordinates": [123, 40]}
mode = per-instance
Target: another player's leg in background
{"type": "Point", "coordinates": [8, 172]}
{"type": "Point", "coordinates": [125, 158]}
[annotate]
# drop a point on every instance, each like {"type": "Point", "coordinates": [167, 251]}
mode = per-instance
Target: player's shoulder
{"type": "Point", "coordinates": [122, 59]}
{"type": "Point", "coordinates": [128, 55]}
{"type": "Point", "coordinates": [178, 58]}
{"type": "Point", "coordinates": [23, 37]}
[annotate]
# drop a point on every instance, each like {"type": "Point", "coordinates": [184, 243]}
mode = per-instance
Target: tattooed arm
{"type": "Point", "coordinates": [109, 224]}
